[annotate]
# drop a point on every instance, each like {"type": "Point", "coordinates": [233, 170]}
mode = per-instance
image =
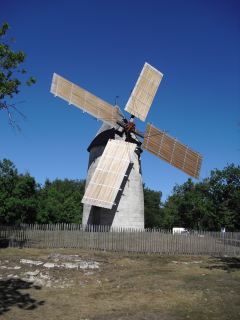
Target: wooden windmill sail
{"type": "Point", "coordinates": [107, 178]}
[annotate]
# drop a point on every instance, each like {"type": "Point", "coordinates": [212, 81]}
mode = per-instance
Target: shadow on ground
{"type": "Point", "coordinates": [4, 242]}
{"type": "Point", "coordinates": [11, 295]}
{"type": "Point", "coordinates": [11, 242]}
{"type": "Point", "coordinates": [225, 263]}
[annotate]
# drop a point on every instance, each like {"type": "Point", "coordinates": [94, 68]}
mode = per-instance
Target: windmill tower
{"type": "Point", "coordinates": [114, 191]}
{"type": "Point", "coordinates": [128, 208]}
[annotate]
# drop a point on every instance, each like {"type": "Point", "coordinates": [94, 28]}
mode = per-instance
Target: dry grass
{"type": "Point", "coordinates": [126, 287]}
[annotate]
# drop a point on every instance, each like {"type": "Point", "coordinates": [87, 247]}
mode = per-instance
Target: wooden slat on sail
{"type": "Point", "coordinates": [144, 92]}
{"type": "Point", "coordinates": [84, 100]}
{"type": "Point", "coordinates": [172, 151]}
{"type": "Point", "coordinates": [105, 183]}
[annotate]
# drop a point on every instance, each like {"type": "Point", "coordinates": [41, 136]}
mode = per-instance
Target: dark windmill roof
{"type": "Point", "coordinates": [102, 139]}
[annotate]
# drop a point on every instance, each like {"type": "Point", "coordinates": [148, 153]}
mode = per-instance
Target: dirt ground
{"type": "Point", "coordinates": [79, 285]}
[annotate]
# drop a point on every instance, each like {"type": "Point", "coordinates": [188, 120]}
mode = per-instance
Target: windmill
{"type": "Point", "coordinates": [114, 190]}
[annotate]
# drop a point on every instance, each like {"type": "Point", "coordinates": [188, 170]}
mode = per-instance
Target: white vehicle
{"type": "Point", "coordinates": [179, 230]}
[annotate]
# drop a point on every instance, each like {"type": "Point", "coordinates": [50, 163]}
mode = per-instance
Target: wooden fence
{"type": "Point", "coordinates": [122, 240]}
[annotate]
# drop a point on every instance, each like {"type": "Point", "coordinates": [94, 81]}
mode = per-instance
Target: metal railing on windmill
{"type": "Point", "coordinates": [114, 190]}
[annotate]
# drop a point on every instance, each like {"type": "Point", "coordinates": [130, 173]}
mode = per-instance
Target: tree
{"type": "Point", "coordinates": [18, 202]}
{"type": "Point", "coordinates": [11, 74]}
{"type": "Point", "coordinates": [207, 205]}
{"type": "Point", "coordinates": [189, 206]}
{"type": "Point", "coordinates": [224, 191]}
{"type": "Point", "coordinates": [60, 201]}
{"type": "Point", "coordinates": [152, 209]}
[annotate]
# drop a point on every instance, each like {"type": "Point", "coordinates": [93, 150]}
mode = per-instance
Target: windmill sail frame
{"type": "Point", "coordinates": [85, 100]}
{"type": "Point", "coordinates": [144, 92]}
{"type": "Point", "coordinates": [107, 178]}
{"type": "Point", "coordinates": [172, 151]}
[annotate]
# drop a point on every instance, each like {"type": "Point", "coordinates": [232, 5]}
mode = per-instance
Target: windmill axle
{"type": "Point", "coordinates": [130, 127]}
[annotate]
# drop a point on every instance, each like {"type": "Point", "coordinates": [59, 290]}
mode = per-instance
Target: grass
{"type": "Point", "coordinates": [126, 287]}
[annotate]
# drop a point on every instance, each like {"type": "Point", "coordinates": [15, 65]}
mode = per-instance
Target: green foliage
{"type": "Point", "coordinates": [17, 195]}
{"type": "Point", "coordinates": [11, 72]}
{"type": "Point", "coordinates": [152, 210]}
{"type": "Point", "coordinates": [224, 191]}
{"type": "Point", "coordinates": [207, 205]}
{"type": "Point", "coordinates": [60, 201]}
{"type": "Point", "coordinates": [23, 201]}
{"type": "Point", "coordinates": [188, 207]}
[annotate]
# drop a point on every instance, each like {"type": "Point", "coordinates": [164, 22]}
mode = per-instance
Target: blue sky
{"type": "Point", "coordinates": [102, 46]}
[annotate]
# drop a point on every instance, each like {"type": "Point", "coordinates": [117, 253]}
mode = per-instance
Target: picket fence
{"type": "Point", "coordinates": [147, 241]}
